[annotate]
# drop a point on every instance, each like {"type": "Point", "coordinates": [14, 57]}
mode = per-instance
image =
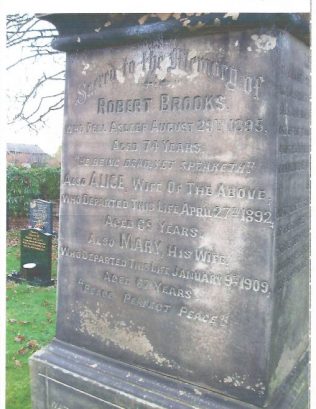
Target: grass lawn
{"type": "Point", "coordinates": [31, 321]}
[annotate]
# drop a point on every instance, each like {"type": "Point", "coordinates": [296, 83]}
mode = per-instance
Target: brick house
{"type": "Point", "coordinates": [24, 154]}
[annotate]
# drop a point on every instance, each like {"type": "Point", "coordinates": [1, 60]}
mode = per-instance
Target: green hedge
{"type": "Point", "coordinates": [24, 185]}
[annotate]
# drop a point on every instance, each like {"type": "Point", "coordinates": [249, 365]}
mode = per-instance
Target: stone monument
{"type": "Point", "coordinates": [41, 215]}
{"type": "Point", "coordinates": [184, 223]}
{"type": "Point", "coordinates": [36, 257]}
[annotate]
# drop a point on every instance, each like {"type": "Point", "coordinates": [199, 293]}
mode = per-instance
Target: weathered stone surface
{"type": "Point", "coordinates": [67, 377]}
{"type": "Point", "coordinates": [184, 213]}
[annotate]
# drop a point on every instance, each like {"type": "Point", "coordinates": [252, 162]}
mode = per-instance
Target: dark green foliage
{"type": "Point", "coordinates": [49, 179]}
{"type": "Point", "coordinates": [24, 184]}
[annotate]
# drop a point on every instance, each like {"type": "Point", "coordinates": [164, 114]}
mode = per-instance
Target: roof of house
{"type": "Point", "coordinates": [24, 148]}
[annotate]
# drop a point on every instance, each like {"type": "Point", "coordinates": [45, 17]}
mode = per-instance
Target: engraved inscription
{"type": "Point", "coordinates": [94, 257]}
{"type": "Point", "coordinates": [83, 160]}
{"type": "Point", "coordinates": [121, 106]}
{"type": "Point", "coordinates": [166, 66]}
{"type": "Point", "coordinates": [204, 255]}
{"type": "Point", "coordinates": [127, 223]}
{"type": "Point", "coordinates": [204, 317]}
{"type": "Point", "coordinates": [211, 125]}
{"type": "Point", "coordinates": [160, 287]}
{"type": "Point", "coordinates": [245, 215]}
{"type": "Point", "coordinates": [95, 291]}
{"type": "Point", "coordinates": [177, 230]}
{"type": "Point", "coordinates": [148, 164]}
{"type": "Point", "coordinates": [115, 279]}
{"type": "Point", "coordinates": [141, 185]}
{"type": "Point", "coordinates": [173, 148]}
{"type": "Point", "coordinates": [130, 242]}
{"type": "Point", "coordinates": [146, 303]}
{"type": "Point", "coordinates": [217, 167]}
{"type": "Point", "coordinates": [105, 181]}
{"type": "Point", "coordinates": [188, 103]}
{"type": "Point", "coordinates": [34, 241]}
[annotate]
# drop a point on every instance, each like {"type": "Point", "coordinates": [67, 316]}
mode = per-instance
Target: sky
{"type": "Point", "coordinates": [20, 79]}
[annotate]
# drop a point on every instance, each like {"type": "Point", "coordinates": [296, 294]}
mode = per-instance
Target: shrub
{"type": "Point", "coordinates": [24, 185]}
{"type": "Point", "coordinates": [49, 180]}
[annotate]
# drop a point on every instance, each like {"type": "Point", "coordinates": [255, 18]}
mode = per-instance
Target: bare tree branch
{"type": "Point", "coordinates": [21, 40]}
{"type": "Point", "coordinates": [32, 93]}
{"type": "Point", "coordinates": [30, 38]}
{"type": "Point", "coordinates": [33, 56]}
{"type": "Point", "coordinates": [42, 118]}
{"type": "Point", "coordinates": [40, 104]}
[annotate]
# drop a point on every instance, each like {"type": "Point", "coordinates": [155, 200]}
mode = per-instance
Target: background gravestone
{"type": "Point", "coordinates": [36, 248]}
{"type": "Point", "coordinates": [41, 215]}
{"type": "Point", "coordinates": [183, 254]}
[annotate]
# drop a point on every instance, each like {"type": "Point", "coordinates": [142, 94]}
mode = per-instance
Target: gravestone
{"type": "Point", "coordinates": [183, 254]}
{"type": "Point", "coordinates": [36, 257]}
{"type": "Point", "coordinates": [41, 215]}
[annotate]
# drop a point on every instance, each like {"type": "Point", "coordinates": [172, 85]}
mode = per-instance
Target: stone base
{"type": "Point", "coordinates": [37, 282]}
{"type": "Point", "coordinates": [67, 377]}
